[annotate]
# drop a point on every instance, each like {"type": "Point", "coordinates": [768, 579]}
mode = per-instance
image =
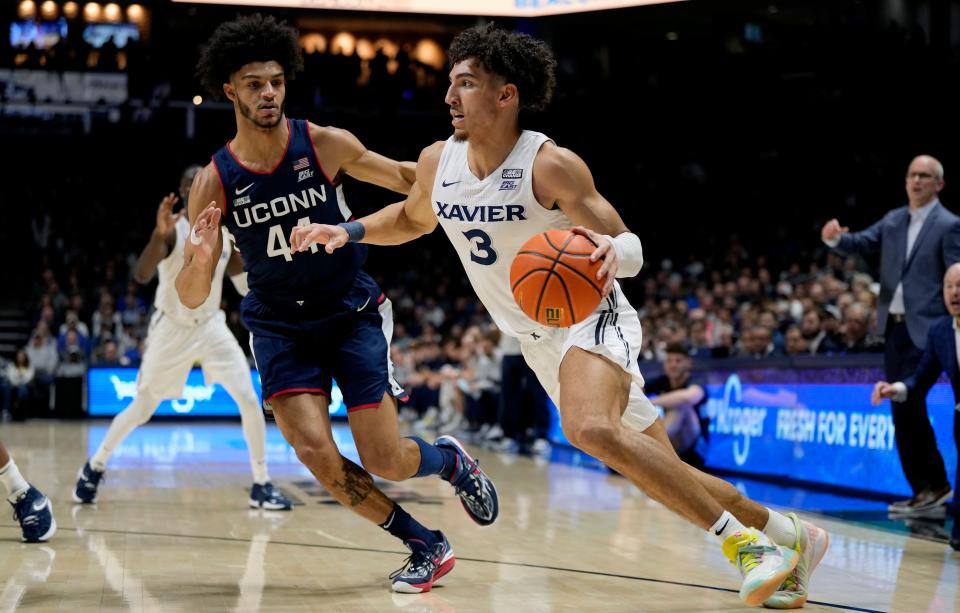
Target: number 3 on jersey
{"type": "Point", "coordinates": [277, 241]}
{"type": "Point", "coordinates": [482, 252]}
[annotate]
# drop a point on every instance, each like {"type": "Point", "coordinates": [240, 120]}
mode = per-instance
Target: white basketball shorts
{"type": "Point", "coordinates": [173, 348]}
{"type": "Point", "coordinates": [612, 331]}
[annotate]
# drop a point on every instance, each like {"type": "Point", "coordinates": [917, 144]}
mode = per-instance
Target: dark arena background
{"type": "Point", "coordinates": [726, 134]}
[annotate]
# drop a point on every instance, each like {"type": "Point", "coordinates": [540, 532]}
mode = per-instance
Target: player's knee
{"type": "Point", "coordinates": [143, 408]}
{"type": "Point", "coordinates": [383, 463]}
{"type": "Point", "coordinates": [317, 453]}
{"type": "Point", "coordinates": [595, 437]}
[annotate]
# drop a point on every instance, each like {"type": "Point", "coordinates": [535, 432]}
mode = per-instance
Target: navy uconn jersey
{"type": "Point", "coordinates": [261, 209]}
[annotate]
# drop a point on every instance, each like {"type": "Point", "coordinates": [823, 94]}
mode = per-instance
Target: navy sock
{"type": "Point", "coordinates": [434, 460]}
{"type": "Point", "coordinates": [407, 529]}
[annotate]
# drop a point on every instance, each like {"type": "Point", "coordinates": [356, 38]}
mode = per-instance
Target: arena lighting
{"type": "Point", "coordinates": [429, 52]}
{"type": "Point", "coordinates": [197, 100]}
{"type": "Point", "coordinates": [92, 11]}
{"type": "Point", "coordinates": [343, 43]}
{"type": "Point", "coordinates": [27, 9]}
{"type": "Point", "coordinates": [112, 12]}
{"type": "Point", "coordinates": [365, 50]}
{"type": "Point", "coordinates": [313, 43]}
{"type": "Point", "coordinates": [70, 10]}
{"type": "Point", "coordinates": [48, 10]}
{"type": "Point", "coordinates": [135, 14]}
{"type": "Point", "coordinates": [505, 8]}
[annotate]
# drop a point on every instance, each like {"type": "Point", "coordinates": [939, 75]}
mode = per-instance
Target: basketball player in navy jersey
{"type": "Point", "coordinates": [492, 186]}
{"type": "Point", "coordinates": [314, 316]}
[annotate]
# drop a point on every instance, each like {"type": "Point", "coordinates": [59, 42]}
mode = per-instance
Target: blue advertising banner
{"type": "Point", "coordinates": [809, 424]}
{"type": "Point", "coordinates": [110, 390]}
{"type": "Point", "coordinates": [821, 432]}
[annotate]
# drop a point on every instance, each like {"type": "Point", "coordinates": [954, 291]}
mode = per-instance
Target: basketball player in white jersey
{"type": "Point", "coordinates": [178, 338]}
{"type": "Point", "coordinates": [492, 186]}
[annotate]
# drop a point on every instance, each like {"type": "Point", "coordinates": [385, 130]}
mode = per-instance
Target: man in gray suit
{"type": "Point", "coordinates": [917, 243]}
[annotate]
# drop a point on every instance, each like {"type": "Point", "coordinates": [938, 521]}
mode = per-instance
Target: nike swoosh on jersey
{"type": "Point", "coordinates": [364, 305]}
{"type": "Point", "coordinates": [445, 184]}
{"type": "Point", "coordinates": [240, 191]}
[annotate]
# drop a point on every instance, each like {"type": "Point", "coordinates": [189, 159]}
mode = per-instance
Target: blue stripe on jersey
{"type": "Point", "coordinates": [263, 208]}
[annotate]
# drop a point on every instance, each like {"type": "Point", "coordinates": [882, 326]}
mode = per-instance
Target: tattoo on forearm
{"type": "Point", "coordinates": [357, 483]}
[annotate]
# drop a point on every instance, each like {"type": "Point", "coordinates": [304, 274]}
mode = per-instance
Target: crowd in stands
{"type": "Point", "coordinates": [695, 177]}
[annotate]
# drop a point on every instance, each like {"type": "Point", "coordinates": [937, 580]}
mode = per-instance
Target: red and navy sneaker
{"type": "Point", "coordinates": [424, 567]}
{"type": "Point", "coordinates": [477, 493]}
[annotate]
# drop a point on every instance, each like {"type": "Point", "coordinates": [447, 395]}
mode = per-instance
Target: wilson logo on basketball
{"type": "Point", "coordinates": [553, 280]}
{"type": "Point", "coordinates": [554, 316]}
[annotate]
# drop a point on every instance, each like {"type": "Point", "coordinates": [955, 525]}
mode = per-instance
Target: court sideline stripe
{"type": "Point", "coordinates": [479, 560]}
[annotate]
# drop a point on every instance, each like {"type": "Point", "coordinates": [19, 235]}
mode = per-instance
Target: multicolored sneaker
{"type": "Point", "coordinates": [812, 544]}
{"type": "Point", "coordinates": [477, 493]}
{"type": "Point", "coordinates": [424, 567]}
{"type": "Point", "coordinates": [763, 564]}
{"type": "Point", "coordinates": [267, 497]}
{"type": "Point", "coordinates": [32, 510]}
{"type": "Point", "coordinates": [88, 480]}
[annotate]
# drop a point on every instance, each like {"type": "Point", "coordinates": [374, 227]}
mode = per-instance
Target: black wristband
{"type": "Point", "coordinates": [355, 231]}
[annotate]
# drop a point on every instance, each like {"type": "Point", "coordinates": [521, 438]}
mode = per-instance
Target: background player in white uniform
{"type": "Point", "coordinates": [492, 186]}
{"type": "Point", "coordinates": [178, 338]}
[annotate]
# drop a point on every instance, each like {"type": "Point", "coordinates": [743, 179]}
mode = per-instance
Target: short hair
{"type": "Point", "coordinates": [519, 58]}
{"type": "Point", "coordinates": [677, 348]}
{"type": "Point", "coordinates": [256, 38]}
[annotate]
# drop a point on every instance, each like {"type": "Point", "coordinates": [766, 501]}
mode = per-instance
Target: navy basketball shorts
{"type": "Point", "coordinates": [297, 354]}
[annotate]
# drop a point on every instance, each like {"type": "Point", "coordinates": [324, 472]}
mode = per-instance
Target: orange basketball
{"type": "Point", "coordinates": [553, 279]}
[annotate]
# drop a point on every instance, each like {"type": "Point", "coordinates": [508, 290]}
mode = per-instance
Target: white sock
{"type": "Point", "coordinates": [726, 525]}
{"type": "Point", "coordinates": [254, 432]}
{"type": "Point", "coordinates": [781, 529]}
{"type": "Point", "coordinates": [13, 481]}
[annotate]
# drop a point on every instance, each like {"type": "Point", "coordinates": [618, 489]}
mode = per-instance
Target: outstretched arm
{"type": "Point", "coordinates": [162, 239]}
{"type": "Point", "coordinates": [840, 239]}
{"type": "Point", "coordinates": [205, 243]}
{"type": "Point", "coordinates": [394, 224]}
{"type": "Point", "coordinates": [560, 177]}
{"type": "Point", "coordinates": [359, 162]}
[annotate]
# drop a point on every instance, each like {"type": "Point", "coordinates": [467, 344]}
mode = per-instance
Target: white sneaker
{"type": "Point", "coordinates": [812, 544]}
{"type": "Point", "coordinates": [763, 564]}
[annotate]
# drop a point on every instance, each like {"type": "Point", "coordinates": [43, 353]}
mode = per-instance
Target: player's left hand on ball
{"type": "Point", "coordinates": [605, 251]}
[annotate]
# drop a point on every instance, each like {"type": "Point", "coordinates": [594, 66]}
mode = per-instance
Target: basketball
{"type": "Point", "coordinates": [553, 280]}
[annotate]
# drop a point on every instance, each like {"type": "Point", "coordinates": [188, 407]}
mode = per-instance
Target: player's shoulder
{"type": "Point", "coordinates": [553, 156]}
{"type": "Point", "coordinates": [431, 153]}
{"type": "Point", "coordinates": [429, 161]}
{"type": "Point", "coordinates": [555, 163]}
{"type": "Point", "coordinates": [207, 186]}
{"type": "Point", "coordinates": [331, 136]}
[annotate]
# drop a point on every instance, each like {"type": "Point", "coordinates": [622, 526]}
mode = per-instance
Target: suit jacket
{"type": "Point", "coordinates": [939, 356]}
{"type": "Point", "coordinates": [921, 271]}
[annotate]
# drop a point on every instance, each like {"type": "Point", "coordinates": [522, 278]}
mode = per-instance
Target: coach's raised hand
{"type": "Point", "coordinates": [304, 237]}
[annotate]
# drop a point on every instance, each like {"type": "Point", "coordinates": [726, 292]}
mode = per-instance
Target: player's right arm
{"type": "Point", "coordinates": [204, 245]}
{"type": "Point", "coordinates": [400, 222]}
{"type": "Point", "coordinates": [162, 240]}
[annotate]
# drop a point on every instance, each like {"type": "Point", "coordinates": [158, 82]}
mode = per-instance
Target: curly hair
{"type": "Point", "coordinates": [256, 38]}
{"type": "Point", "coordinates": [519, 58]}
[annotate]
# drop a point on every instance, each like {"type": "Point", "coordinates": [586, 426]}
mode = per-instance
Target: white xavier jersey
{"type": "Point", "coordinates": [489, 220]}
{"type": "Point", "coordinates": [166, 298]}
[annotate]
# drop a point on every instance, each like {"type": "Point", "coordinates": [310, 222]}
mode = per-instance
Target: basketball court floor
{"type": "Point", "coordinates": [172, 532]}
